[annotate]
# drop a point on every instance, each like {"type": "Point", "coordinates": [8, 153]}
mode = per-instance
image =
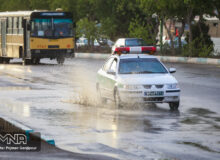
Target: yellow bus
{"type": "Point", "coordinates": [33, 35]}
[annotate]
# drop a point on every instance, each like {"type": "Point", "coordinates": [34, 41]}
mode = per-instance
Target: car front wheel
{"type": "Point", "coordinates": [100, 98]}
{"type": "Point", "coordinates": [174, 105]}
{"type": "Point", "coordinates": [118, 103]}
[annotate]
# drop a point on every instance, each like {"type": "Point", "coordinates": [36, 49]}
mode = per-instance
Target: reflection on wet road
{"type": "Point", "coordinates": [60, 101]}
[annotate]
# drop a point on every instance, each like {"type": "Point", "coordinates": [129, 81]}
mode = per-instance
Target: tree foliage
{"type": "Point", "coordinates": [125, 18]}
{"type": "Point", "coordinates": [88, 29]}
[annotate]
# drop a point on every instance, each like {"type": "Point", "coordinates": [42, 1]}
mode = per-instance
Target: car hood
{"type": "Point", "coordinates": [146, 79]}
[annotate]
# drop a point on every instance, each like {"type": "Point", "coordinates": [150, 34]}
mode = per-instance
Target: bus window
{"type": "Point", "coordinates": [41, 27]}
{"type": "Point", "coordinates": [63, 27]}
{"type": "Point", "coordinates": [15, 27]}
{"type": "Point", "coordinates": [52, 27]}
{"type": "Point", "coordinates": [20, 29]}
{"type": "Point", "coordinates": [9, 29]}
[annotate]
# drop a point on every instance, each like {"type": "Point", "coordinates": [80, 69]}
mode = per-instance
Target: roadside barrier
{"type": "Point", "coordinates": [12, 125]}
{"type": "Point", "coordinates": [194, 60]}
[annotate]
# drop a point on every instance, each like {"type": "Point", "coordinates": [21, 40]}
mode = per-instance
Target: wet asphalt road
{"type": "Point", "coordinates": [60, 102]}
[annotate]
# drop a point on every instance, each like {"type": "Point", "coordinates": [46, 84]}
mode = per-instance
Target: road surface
{"type": "Point", "coordinates": [60, 102]}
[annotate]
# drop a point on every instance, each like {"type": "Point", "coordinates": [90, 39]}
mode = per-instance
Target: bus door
{"type": "Point", "coordinates": [3, 37]}
{"type": "Point", "coordinates": [26, 27]}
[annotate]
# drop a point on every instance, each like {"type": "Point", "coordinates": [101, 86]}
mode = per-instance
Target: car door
{"type": "Point", "coordinates": [111, 79]}
{"type": "Point", "coordinates": [103, 77]}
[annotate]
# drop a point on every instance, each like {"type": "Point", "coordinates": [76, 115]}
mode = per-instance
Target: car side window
{"type": "Point", "coordinates": [107, 65]}
{"type": "Point", "coordinates": [114, 66]}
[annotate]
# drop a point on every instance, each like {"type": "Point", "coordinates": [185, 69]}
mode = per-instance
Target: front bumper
{"type": "Point", "coordinates": [139, 96]}
{"type": "Point", "coordinates": [52, 53]}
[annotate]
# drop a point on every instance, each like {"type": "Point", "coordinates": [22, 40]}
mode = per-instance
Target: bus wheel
{"type": "Point", "coordinates": [6, 60]}
{"type": "Point", "coordinates": [60, 60]}
{"type": "Point", "coordinates": [27, 61]}
{"type": "Point", "coordinates": [35, 60]}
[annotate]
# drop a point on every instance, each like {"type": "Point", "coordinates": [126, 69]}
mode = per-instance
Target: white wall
{"type": "Point", "coordinates": [216, 42]}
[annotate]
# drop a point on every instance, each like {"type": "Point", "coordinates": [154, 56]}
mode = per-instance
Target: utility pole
{"type": "Point", "coordinates": [161, 35]}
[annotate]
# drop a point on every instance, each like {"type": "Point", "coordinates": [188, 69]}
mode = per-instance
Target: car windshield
{"type": "Point", "coordinates": [135, 42]}
{"type": "Point", "coordinates": [141, 66]}
{"type": "Point", "coordinates": [51, 27]}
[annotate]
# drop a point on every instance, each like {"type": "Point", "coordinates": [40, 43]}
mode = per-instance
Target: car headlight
{"type": "Point", "coordinates": [172, 86]}
{"type": "Point", "coordinates": [132, 87]}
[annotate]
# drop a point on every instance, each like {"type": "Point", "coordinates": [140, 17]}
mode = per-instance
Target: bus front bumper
{"type": "Point", "coordinates": [52, 53]}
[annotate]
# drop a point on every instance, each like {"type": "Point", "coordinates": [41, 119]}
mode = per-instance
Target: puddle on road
{"type": "Point", "coordinates": [42, 80]}
{"type": "Point", "coordinates": [198, 145]}
{"type": "Point", "coordinates": [202, 116]}
{"type": "Point", "coordinates": [12, 88]}
{"type": "Point", "coordinates": [85, 93]}
{"type": "Point", "coordinates": [16, 107]}
{"type": "Point", "coordinates": [201, 111]}
{"type": "Point", "coordinates": [208, 123]}
{"type": "Point", "coordinates": [191, 120]}
{"type": "Point", "coordinates": [82, 98]}
{"type": "Point", "coordinates": [216, 119]}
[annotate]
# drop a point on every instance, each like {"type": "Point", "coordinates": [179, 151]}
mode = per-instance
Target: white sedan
{"type": "Point", "coordinates": [132, 45]}
{"type": "Point", "coordinates": [137, 78]}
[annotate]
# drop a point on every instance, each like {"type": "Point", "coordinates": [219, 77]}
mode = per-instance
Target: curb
{"type": "Point", "coordinates": [27, 130]}
{"type": "Point", "coordinates": [162, 58]}
{"type": "Point", "coordinates": [92, 55]}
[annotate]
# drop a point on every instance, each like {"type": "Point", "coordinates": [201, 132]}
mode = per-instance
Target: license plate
{"type": "Point", "coordinates": [154, 93]}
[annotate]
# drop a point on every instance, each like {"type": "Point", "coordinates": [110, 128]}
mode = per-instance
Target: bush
{"type": "Point", "coordinates": [197, 48]}
{"type": "Point", "coordinates": [201, 45]}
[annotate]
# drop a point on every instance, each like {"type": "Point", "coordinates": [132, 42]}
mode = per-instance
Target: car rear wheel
{"type": "Point", "coordinates": [174, 105]}
{"type": "Point", "coordinates": [101, 99]}
{"type": "Point", "coordinates": [118, 103]}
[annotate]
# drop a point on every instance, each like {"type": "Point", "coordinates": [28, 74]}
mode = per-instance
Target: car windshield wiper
{"type": "Point", "coordinates": [137, 72]}
{"type": "Point", "coordinates": [129, 72]}
{"type": "Point", "coordinates": [145, 72]}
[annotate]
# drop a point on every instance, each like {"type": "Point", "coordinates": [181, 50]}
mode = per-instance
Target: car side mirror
{"type": "Point", "coordinates": [172, 70]}
{"type": "Point", "coordinates": [111, 72]}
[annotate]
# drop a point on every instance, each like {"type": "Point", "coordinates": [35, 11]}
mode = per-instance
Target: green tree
{"type": "Point", "coordinates": [87, 28]}
{"type": "Point", "coordinates": [165, 11]}
{"type": "Point", "coordinates": [15, 5]}
{"type": "Point", "coordinates": [39, 4]}
{"type": "Point", "coordinates": [216, 6]}
{"type": "Point", "coordinates": [66, 5]}
{"type": "Point", "coordinates": [201, 44]}
{"type": "Point", "coordinates": [142, 29]}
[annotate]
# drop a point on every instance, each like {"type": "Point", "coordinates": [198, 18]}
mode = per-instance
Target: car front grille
{"type": "Point", "coordinates": [147, 86]}
{"type": "Point", "coordinates": [159, 86]}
